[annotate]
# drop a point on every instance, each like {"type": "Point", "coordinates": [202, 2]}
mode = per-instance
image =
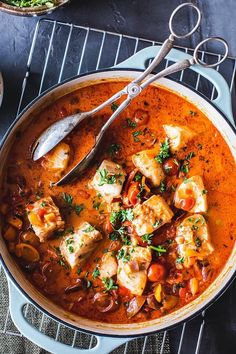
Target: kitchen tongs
{"type": "Point", "coordinates": [59, 130]}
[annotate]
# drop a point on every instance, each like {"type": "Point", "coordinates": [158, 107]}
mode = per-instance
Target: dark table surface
{"type": "Point", "coordinates": [147, 19]}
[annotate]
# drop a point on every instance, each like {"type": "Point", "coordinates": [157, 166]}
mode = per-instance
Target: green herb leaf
{"type": "Point", "coordinates": [147, 238]}
{"type": "Point", "coordinates": [109, 284]}
{"type": "Point", "coordinates": [159, 249]}
{"type": "Point", "coordinates": [131, 123]}
{"type": "Point", "coordinates": [113, 149]}
{"type": "Point", "coordinates": [67, 198]}
{"type": "Point", "coordinates": [180, 260]}
{"type": "Point", "coordinates": [96, 273]}
{"type": "Point", "coordinates": [164, 152]}
{"type": "Point", "coordinates": [107, 179]}
{"type": "Point", "coordinates": [122, 254]}
{"type": "Point", "coordinates": [114, 106]}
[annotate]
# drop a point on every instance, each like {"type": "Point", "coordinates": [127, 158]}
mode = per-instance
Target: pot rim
{"type": "Point", "coordinates": [40, 307]}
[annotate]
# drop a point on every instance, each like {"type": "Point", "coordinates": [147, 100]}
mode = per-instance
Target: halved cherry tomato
{"type": "Point", "coordinates": [156, 272]}
{"type": "Point", "coordinates": [141, 117]}
{"type": "Point", "coordinates": [123, 291]}
{"type": "Point", "coordinates": [133, 192]}
{"type": "Point", "coordinates": [108, 226]}
{"type": "Point", "coordinates": [187, 203]}
{"type": "Point", "coordinates": [140, 241]}
{"type": "Point", "coordinates": [183, 292]}
{"type": "Point", "coordinates": [171, 167]}
{"type": "Point", "coordinates": [41, 212]}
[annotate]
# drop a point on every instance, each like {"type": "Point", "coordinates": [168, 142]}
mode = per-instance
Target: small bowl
{"type": "Point", "coordinates": [30, 11]}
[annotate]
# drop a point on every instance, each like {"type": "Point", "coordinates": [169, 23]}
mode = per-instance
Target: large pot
{"type": "Point", "coordinates": [75, 321]}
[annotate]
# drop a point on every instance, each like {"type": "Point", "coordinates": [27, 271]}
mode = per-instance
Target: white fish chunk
{"type": "Point", "coordinates": [194, 188]}
{"type": "Point", "coordinates": [57, 160]}
{"type": "Point", "coordinates": [44, 217]}
{"type": "Point", "coordinates": [193, 239]}
{"type": "Point", "coordinates": [151, 215]}
{"type": "Point", "coordinates": [77, 247]}
{"type": "Point", "coordinates": [132, 268]}
{"type": "Point", "coordinates": [178, 136]}
{"type": "Point", "coordinates": [108, 180]}
{"type": "Point", "coordinates": [108, 266]}
{"type": "Point", "coordinates": [148, 166]}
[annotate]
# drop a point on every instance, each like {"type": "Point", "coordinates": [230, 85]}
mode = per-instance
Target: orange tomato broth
{"type": "Point", "coordinates": [213, 161]}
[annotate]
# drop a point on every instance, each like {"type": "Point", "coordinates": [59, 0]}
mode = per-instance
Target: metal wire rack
{"type": "Point", "coordinates": [59, 51]}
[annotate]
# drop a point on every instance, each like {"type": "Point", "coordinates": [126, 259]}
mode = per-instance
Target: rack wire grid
{"type": "Point", "coordinates": [60, 51]}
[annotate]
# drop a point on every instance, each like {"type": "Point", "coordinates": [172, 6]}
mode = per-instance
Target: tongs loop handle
{"type": "Point", "coordinates": [171, 25]}
{"type": "Point", "coordinates": [222, 57]}
{"type": "Point", "coordinates": [169, 42]}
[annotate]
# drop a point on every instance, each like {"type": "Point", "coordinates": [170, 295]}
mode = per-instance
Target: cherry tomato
{"type": "Point", "coordinates": [171, 167]}
{"type": "Point", "coordinates": [108, 226]}
{"type": "Point", "coordinates": [187, 203]}
{"type": "Point", "coordinates": [141, 117]}
{"type": "Point", "coordinates": [123, 291]}
{"type": "Point", "coordinates": [41, 213]}
{"type": "Point", "coordinates": [183, 292]}
{"type": "Point", "coordinates": [133, 192]}
{"type": "Point", "coordinates": [156, 272]}
{"type": "Point", "coordinates": [141, 242]}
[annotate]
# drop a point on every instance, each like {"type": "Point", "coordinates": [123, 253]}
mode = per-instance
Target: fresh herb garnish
{"type": "Point", "coordinates": [122, 254]}
{"type": "Point", "coordinates": [43, 204]}
{"type": "Point", "coordinates": [31, 3]}
{"type": "Point", "coordinates": [205, 191]}
{"type": "Point", "coordinates": [131, 123]}
{"type": "Point", "coordinates": [105, 178]}
{"type": "Point", "coordinates": [121, 216]}
{"type": "Point", "coordinates": [159, 249]}
{"type": "Point", "coordinates": [79, 270]}
{"type": "Point", "coordinates": [113, 149]}
{"type": "Point", "coordinates": [114, 106]}
{"type": "Point", "coordinates": [157, 223]}
{"type": "Point", "coordinates": [89, 229]}
{"type": "Point", "coordinates": [109, 284]}
{"type": "Point", "coordinates": [67, 198]}
{"type": "Point", "coordinates": [95, 273]}
{"type": "Point", "coordinates": [194, 227]}
{"type": "Point", "coordinates": [180, 260]}
{"type": "Point", "coordinates": [162, 188]}
{"type": "Point", "coordinates": [192, 113]}
{"type": "Point", "coordinates": [147, 238]}
{"type": "Point", "coordinates": [138, 177]}
{"type": "Point", "coordinates": [136, 134]}
{"type": "Point", "coordinates": [77, 208]}
{"type": "Point", "coordinates": [164, 152]}
{"type": "Point", "coordinates": [198, 242]}
{"type": "Point", "coordinates": [185, 167]}
{"type": "Point", "coordinates": [190, 155]}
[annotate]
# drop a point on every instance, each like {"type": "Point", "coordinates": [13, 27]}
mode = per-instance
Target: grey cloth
{"type": "Point", "coordinates": [12, 342]}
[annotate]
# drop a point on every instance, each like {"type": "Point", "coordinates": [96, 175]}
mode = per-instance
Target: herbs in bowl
{"type": "Point", "coordinates": [32, 3]}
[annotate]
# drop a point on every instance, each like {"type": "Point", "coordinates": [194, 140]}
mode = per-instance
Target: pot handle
{"type": "Point", "coordinates": [223, 99]}
{"type": "Point", "coordinates": [16, 303]}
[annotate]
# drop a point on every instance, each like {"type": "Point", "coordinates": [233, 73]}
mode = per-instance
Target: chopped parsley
{"type": "Point", "coordinates": [194, 227]}
{"type": "Point", "coordinates": [131, 123]}
{"type": "Point", "coordinates": [114, 106]}
{"type": "Point", "coordinates": [180, 260]}
{"type": "Point", "coordinates": [138, 177]}
{"type": "Point", "coordinates": [123, 255]}
{"type": "Point", "coordinates": [190, 155]}
{"type": "Point", "coordinates": [121, 216]}
{"type": "Point", "coordinates": [67, 198]}
{"type": "Point", "coordinates": [96, 204]}
{"type": "Point", "coordinates": [43, 204]}
{"type": "Point", "coordinates": [107, 179]}
{"type": "Point", "coordinates": [205, 191]}
{"type": "Point", "coordinates": [89, 229]}
{"type": "Point", "coordinates": [109, 284]}
{"type": "Point", "coordinates": [157, 223]}
{"type": "Point", "coordinates": [79, 270]}
{"type": "Point", "coordinates": [136, 134]}
{"type": "Point", "coordinates": [95, 273]}
{"type": "Point", "coordinates": [113, 149]}
{"type": "Point", "coordinates": [78, 208]}
{"type": "Point", "coordinates": [114, 236]}
{"type": "Point", "coordinates": [70, 248]}
{"type": "Point", "coordinates": [164, 152]}
{"type": "Point", "coordinates": [198, 242]}
{"type": "Point", "coordinates": [162, 188]}
{"type": "Point", "coordinates": [199, 146]}
{"type": "Point", "coordinates": [192, 113]}
{"type": "Point", "coordinates": [147, 238]}
{"type": "Point", "coordinates": [185, 167]}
